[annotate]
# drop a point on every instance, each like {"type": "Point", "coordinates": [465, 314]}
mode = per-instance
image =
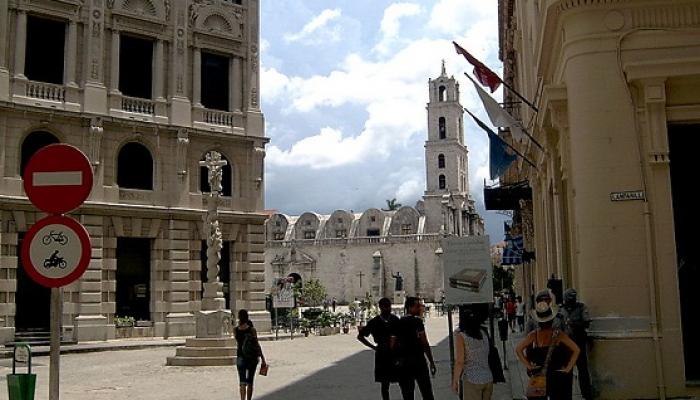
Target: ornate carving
{"type": "Point", "coordinates": [167, 6]}
{"type": "Point", "coordinates": [194, 9]}
{"type": "Point", "coordinates": [183, 142]}
{"type": "Point", "coordinates": [96, 133]}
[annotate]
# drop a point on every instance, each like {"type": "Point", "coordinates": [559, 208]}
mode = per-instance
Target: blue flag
{"type": "Point", "coordinates": [499, 158]}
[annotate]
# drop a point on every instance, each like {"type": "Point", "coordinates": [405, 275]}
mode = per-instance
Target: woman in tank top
{"type": "Point", "coordinates": [472, 359]}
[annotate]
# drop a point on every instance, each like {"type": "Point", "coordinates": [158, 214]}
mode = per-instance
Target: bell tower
{"type": "Point", "coordinates": [446, 159]}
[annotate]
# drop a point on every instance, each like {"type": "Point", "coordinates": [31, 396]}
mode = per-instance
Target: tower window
{"type": "Point", "coordinates": [441, 182]}
{"type": "Point", "coordinates": [135, 66]}
{"type": "Point", "coordinates": [44, 52]}
{"type": "Point", "coordinates": [441, 161]}
{"type": "Point", "coordinates": [441, 128]}
{"type": "Point", "coordinates": [442, 93]}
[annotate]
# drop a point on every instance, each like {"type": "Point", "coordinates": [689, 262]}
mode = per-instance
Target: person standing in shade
{"type": "Point", "coordinates": [520, 313]}
{"type": "Point", "coordinates": [334, 303]}
{"type": "Point", "coordinates": [413, 347]}
{"type": "Point", "coordinates": [248, 352]}
{"type": "Point", "coordinates": [510, 313]}
{"type": "Point", "coordinates": [382, 327]}
{"type": "Point", "coordinates": [576, 321]}
{"type": "Point", "coordinates": [550, 352]}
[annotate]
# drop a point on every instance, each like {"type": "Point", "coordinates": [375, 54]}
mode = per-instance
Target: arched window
{"type": "Point", "coordinates": [441, 128]}
{"type": "Point", "coordinates": [225, 178]}
{"type": "Point", "coordinates": [442, 93]}
{"type": "Point", "coordinates": [441, 161]}
{"type": "Point", "coordinates": [32, 143]}
{"type": "Point", "coordinates": [441, 182]}
{"type": "Point", "coordinates": [135, 167]}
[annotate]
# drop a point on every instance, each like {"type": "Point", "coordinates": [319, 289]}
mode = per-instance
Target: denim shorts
{"type": "Point", "coordinates": [246, 370]}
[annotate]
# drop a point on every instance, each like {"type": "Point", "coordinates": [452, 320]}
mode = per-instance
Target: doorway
{"type": "Point", "coordinates": [33, 301]}
{"type": "Point", "coordinates": [134, 278]}
{"type": "Point", "coordinates": [224, 269]}
{"type": "Point", "coordinates": [683, 142]}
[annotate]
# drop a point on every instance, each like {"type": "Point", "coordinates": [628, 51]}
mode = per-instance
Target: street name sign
{"type": "Point", "coordinates": [56, 251]}
{"type": "Point", "coordinates": [58, 178]}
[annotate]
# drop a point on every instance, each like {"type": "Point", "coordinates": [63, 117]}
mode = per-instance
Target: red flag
{"type": "Point", "coordinates": [483, 74]}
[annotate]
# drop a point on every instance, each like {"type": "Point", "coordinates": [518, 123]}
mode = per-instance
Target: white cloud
{"type": "Point", "coordinates": [272, 84]}
{"type": "Point", "coordinates": [410, 190]}
{"type": "Point", "coordinates": [454, 16]}
{"type": "Point", "coordinates": [391, 23]}
{"type": "Point", "coordinates": [264, 45]}
{"type": "Point", "coordinates": [317, 30]}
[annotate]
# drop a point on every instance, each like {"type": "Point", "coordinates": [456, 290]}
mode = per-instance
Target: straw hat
{"type": "Point", "coordinates": [544, 312]}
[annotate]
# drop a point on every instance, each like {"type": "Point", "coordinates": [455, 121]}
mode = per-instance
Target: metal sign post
{"type": "Point", "coordinates": [55, 353]}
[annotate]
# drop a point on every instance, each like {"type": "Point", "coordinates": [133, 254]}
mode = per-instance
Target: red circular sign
{"type": "Point", "coordinates": [56, 251]}
{"type": "Point", "coordinates": [58, 178]}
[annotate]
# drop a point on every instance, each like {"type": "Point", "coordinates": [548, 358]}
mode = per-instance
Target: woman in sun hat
{"type": "Point", "coordinates": [534, 348]}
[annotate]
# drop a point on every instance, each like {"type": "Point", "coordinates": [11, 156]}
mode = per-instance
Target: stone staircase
{"type": "Point", "coordinates": [199, 352]}
{"type": "Point", "coordinates": [35, 337]}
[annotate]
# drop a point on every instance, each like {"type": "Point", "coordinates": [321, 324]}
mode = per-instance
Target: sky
{"type": "Point", "coordinates": [344, 86]}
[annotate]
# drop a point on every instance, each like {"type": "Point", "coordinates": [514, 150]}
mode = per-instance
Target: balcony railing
{"type": "Point", "coordinates": [222, 118]}
{"type": "Point", "coordinates": [45, 91]}
{"type": "Point", "coordinates": [355, 240]}
{"type": "Point", "coordinates": [138, 106]}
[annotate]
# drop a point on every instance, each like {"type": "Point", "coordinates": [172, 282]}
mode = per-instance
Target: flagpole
{"type": "Point", "coordinates": [515, 92]}
{"type": "Point", "coordinates": [504, 142]}
{"type": "Point", "coordinates": [521, 124]}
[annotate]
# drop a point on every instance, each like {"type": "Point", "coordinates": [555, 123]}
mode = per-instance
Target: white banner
{"type": "Point", "coordinates": [283, 293]}
{"type": "Point", "coordinates": [467, 269]}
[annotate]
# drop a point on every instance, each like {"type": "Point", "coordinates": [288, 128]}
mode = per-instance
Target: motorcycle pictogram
{"type": "Point", "coordinates": [55, 261]}
{"type": "Point", "coordinates": [54, 236]}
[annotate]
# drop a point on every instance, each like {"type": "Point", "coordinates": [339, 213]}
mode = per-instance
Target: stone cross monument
{"type": "Point", "coordinates": [212, 319]}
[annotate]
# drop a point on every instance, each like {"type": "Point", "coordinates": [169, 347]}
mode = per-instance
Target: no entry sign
{"type": "Point", "coordinates": [56, 251]}
{"type": "Point", "coordinates": [58, 178]}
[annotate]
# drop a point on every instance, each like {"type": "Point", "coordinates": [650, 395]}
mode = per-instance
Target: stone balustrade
{"type": "Point", "coordinates": [138, 106]}
{"type": "Point", "coordinates": [45, 91]}
{"type": "Point", "coordinates": [222, 118]}
{"type": "Point", "coordinates": [355, 240]}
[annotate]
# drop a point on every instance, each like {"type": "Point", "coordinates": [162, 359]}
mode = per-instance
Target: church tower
{"type": "Point", "coordinates": [447, 193]}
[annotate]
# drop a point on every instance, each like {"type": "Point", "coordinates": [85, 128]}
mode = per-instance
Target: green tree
{"type": "Point", "coordinates": [392, 205]}
{"type": "Point", "coordinates": [313, 293]}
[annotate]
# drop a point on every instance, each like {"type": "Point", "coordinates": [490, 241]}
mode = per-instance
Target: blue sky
{"type": "Point", "coordinates": [344, 87]}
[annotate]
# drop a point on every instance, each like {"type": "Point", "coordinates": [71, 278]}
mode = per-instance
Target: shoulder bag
{"type": "Point", "coordinates": [537, 385]}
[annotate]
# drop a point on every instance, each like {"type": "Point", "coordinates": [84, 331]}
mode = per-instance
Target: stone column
{"type": "Point", "coordinates": [114, 69]}
{"type": "Point", "coordinates": [4, 70]}
{"type": "Point", "coordinates": [236, 85]}
{"type": "Point", "coordinates": [71, 53]}
{"type": "Point", "coordinates": [179, 320]}
{"type": "Point", "coordinates": [20, 44]}
{"type": "Point", "coordinates": [180, 105]}
{"type": "Point", "coordinates": [197, 78]}
{"type": "Point", "coordinates": [91, 323]}
{"type": "Point", "coordinates": [254, 272]}
{"type": "Point", "coordinates": [255, 125]}
{"type": "Point", "coordinates": [8, 267]}
{"type": "Point", "coordinates": [161, 106]}
{"type": "Point", "coordinates": [231, 84]}
{"type": "Point", "coordinates": [95, 92]}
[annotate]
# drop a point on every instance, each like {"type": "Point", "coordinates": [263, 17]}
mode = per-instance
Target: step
{"type": "Point", "coordinates": [183, 351]}
{"type": "Point", "coordinates": [201, 361]}
{"type": "Point", "coordinates": [213, 342]}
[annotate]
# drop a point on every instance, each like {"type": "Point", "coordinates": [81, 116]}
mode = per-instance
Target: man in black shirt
{"type": "Point", "coordinates": [382, 327]}
{"type": "Point", "coordinates": [412, 344]}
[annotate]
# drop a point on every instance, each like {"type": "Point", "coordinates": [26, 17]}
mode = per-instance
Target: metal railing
{"type": "Point", "coordinates": [46, 91]}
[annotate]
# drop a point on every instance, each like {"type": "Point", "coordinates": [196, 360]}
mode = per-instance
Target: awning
{"type": "Point", "coordinates": [506, 197]}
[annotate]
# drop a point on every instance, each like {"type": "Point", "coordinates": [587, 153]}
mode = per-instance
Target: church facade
{"type": "Point", "coordinates": [145, 88]}
{"type": "Point", "coordinates": [355, 254]}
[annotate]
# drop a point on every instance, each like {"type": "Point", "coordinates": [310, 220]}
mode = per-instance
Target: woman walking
{"type": "Point", "coordinates": [472, 367]}
{"type": "Point", "coordinates": [247, 354]}
{"type": "Point", "coordinates": [549, 355]}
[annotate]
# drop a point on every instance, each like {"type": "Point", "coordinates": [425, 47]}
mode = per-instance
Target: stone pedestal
{"type": "Point", "coordinates": [213, 324]}
{"type": "Point", "coordinates": [399, 297]}
{"type": "Point", "coordinates": [91, 328]}
{"type": "Point", "coordinates": [199, 352]}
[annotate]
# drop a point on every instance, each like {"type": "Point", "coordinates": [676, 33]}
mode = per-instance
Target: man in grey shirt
{"type": "Point", "coordinates": [576, 321]}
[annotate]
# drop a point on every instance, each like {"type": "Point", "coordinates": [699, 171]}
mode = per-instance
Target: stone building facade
{"type": "Point", "coordinates": [612, 210]}
{"type": "Point", "coordinates": [145, 88]}
{"type": "Point", "coordinates": [353, 254]}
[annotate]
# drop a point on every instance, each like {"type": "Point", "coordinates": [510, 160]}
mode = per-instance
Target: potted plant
{"type": "Point", "coordinates": [305, 326]}
{"type": "Point", "coordinates": [125, 326]}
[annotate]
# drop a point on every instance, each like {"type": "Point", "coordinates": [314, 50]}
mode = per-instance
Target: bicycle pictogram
{"type": "Point", "coordinates": [55, 261]}
{"type": "Point", "coordinates": [54, 236]}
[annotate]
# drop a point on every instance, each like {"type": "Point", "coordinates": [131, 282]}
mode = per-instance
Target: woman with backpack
{"type": "Point", "coordinates": [247, 354]}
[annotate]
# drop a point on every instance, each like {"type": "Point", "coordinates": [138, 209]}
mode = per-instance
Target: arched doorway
{"type": "Point", "coordinates": [33, 143]}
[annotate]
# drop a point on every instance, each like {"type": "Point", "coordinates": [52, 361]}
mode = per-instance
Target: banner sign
{"type": "Point", "coordinates": [283, 293]}
{"type": "Point", "coordinates": [467, 269]}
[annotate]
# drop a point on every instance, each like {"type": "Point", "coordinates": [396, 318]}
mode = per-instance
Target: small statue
{"type": "Point", "coordinates": [399, 281]}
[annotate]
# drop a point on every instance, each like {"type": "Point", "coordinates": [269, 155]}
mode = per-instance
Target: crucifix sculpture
{"type": "Point", "coordinates": [213, 296]}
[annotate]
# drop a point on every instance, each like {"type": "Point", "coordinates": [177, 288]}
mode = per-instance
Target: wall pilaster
{"type": "Point", "coordinates": [179, 319]}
